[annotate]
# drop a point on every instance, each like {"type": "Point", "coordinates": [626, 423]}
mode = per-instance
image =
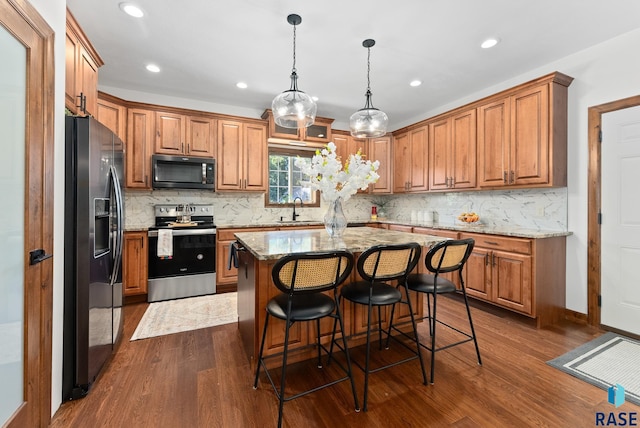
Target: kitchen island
{"type": "Point", "coordinates": [261, 250]}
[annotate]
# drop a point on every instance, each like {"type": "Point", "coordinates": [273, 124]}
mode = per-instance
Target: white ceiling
{"type": "Point", "coordinates": [204, 47]}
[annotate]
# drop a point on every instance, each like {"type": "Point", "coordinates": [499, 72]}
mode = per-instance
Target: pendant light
{"type": "Point", "coordinates": [368, 122]}
{"type": "Point", "coordinates": [293, 108]}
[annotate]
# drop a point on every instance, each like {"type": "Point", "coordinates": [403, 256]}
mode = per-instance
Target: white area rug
{"type": "Point", "coordinates": [608, 360]}
{"type": "Point", "coordinates": [175, 316]}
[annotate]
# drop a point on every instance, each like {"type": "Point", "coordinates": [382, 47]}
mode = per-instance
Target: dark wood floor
{"type": "Point", "coordinates": [202, 379]}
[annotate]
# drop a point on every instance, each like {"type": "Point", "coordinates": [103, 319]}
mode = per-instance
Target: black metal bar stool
{"type": "Point", "coordinates": [303, 278]}
{"type": "Point", "coordinates": [444, 257]}
{"type": "Point", "coordinates": [378, 266]}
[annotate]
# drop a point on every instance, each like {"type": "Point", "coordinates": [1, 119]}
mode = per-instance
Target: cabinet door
{"type": "Point", "coordinates": [511, 281]}
{"type": "Point", "coordinates": [114, 117]}
{"type": "Point", "coordinates": [256, 157]}
{"type": "Point", "coordinates": [439, 152]}
{"type": "Point", "coordinates": [72, 50]}
{"type": "Point", "coordinates": [201, 136]}
{"type": "Point", "coordinates": [170, 131]}
{"type": "Point", "coordinates": [319, 131]}
{"type": "Point", "coordinates": [342, 145]}
{"type": "Point", "coordinates": [88, 74]}
{"type": "Point", "coordinates": [380, 150]}
{"type": "Point", "coordinates": [224, 275]}
{"type": "Point", "coordinates": [401, 155]}
{"type": "Point", "coordinates": [493, 143]}
{"type": "Point", "coordinates": [229, 158]}
{"type": "Point", "coordinates": [529, 158]}
{"type": "Point", "coordinates": [419, 178]}
{"type": "Point", "coordinates": [134, 263]}
{"type": "Point", "coordinates": [138, 159]}
{"type": "Point", "coordinates": [477, 274]}
{"type": "Point", "coordinates": [462, 149]}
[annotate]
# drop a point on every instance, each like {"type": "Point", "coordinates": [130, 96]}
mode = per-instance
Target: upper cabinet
{"type": "Point", "coordinates": [81, 71]}
{"type": "Point", "coordinates": [317, 134]}
{"type": "Point", "coordinates": [242, 158]}
{"type": "Point", "coordinates": [177, 134]}
{"type": "Point", "coordinates": [112, 112]}
{"type": "Point", "coordinates": [380, 150]}
{"type": "Point", "coordinates": [452, 152]}
{"type": "Point", "coordinates": [410, 161]}
{"type": "Point", "coordinates": [139, 140]}
{"type": "Point", "coordinates": [522, 136]}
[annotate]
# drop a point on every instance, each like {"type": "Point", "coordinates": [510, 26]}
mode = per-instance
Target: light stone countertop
{"type": "Point", "coordinates": [276, 244]}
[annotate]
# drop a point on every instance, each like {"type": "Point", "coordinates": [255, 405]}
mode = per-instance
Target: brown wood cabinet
{"type": "Point", "coordinates": [319, 133]}
{"type": "Point", "coordinates": [134, 263]}
{"type": "Point", "coordinates": [81, 71]}
{"type": "Point", "coordinates": [520, 274]}
{"type": "Point", "coordinates": [436, 232]}
{"type": "Point", "coordinates": [452, 152]}
{"type": "Point", "coordinates": [380, 150]}
{"type": "Point", "coordinates": [112, 113]}
{"type": "Point", "coordinates": [347, 145]}
{"type": "Point", "coordinates": [139, 140]}
{"type": "Point", "coordinates": [410, 161]}
{"type": "Point", "coordinates": [242, 157]}
{"type": "Point", "coordinates": [522, 136]}
{"type": "Point", "coordinates": [177, 134]}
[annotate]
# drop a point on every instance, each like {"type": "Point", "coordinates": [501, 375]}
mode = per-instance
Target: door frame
{"type": "Point", "coordinates": [595, 202]}
{"type": "Point", "coordinates": [20, 17]}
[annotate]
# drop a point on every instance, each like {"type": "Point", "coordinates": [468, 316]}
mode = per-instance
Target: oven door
{"type": "Point", "coordinates": [189, 271]}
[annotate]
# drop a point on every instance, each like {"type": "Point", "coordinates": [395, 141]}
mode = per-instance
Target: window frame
{"type": "Point", "coordinates": [291, 152]}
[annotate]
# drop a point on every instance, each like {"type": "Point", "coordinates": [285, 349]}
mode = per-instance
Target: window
{"type": "Point", "coordinates": [285, 177]}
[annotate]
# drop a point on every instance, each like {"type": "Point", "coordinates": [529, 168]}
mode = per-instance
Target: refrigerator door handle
{"type": "Point", "coordinates": [117, 253]}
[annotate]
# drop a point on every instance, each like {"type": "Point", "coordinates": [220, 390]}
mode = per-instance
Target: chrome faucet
{"type": "Point", "coordinates": [294, 207]}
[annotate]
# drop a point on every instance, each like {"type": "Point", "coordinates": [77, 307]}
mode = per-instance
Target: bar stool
{"type": "Point", "coordinates": [444, 257]}
{"type": "Point", "coordinates": [303, 278]}
{"type": "Point", "coordinates": [378, 266]}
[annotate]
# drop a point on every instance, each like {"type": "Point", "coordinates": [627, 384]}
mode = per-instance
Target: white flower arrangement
{"type": "Point", "coordinates": [326, 173]}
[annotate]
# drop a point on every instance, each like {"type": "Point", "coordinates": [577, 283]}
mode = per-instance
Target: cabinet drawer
{"type": "Point", "coordinates": [493, 242]}
{"type": "Point", "coordinates": [436, 232]}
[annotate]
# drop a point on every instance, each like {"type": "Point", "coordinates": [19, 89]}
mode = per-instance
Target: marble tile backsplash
{"type": "Point", "coordinates": [538, 209]}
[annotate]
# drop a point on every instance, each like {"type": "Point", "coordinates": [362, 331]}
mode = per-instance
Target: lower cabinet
{"type": "Point", "coordinates": [520, 274]}
{"type": "Point", "coordinates": [134, 263]}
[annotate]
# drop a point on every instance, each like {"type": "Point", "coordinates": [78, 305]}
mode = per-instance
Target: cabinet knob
{"type": "Point", "coordinates": [505, 177]}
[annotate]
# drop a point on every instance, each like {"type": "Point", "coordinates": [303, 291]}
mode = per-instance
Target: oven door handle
{"type": "Point", "coordinates": [185, 232]}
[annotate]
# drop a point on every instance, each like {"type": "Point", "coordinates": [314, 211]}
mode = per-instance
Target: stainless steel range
{"type": "Point", "coordinates": [182, 252]}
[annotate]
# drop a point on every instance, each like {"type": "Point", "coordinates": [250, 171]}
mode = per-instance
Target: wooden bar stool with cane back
{"type": "Point", "coordinates": [444, 257]}
{"type": "Point", "coordinates": [378, 266]}
{"type": "Point", "coordinates": [303, 278]}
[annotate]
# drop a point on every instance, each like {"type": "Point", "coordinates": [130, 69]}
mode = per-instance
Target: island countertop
{"type": "Point", "coordinates": [276, 244]}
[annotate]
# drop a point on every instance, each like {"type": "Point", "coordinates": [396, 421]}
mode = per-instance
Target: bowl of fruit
{"type": "Point", "coordinates": [469, 218]}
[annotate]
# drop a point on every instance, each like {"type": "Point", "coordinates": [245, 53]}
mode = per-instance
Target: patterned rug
{"type": "Point", "coordinates": [605, 361]}
{"type": "Point", "coordinates": [175, 316]}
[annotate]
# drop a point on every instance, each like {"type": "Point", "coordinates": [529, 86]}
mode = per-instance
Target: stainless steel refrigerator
{"type": "Point", "coordinates": [94, 222]}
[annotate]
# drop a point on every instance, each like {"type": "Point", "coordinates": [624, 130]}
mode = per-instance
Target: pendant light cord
{"type": "Point", "coordinates": [368, 69]}
{"type": "Point", "coordinates": [294, 49]}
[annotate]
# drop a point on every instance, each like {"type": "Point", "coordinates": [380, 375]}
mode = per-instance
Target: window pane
{"type": "Point", "coordinates": [285, 177]}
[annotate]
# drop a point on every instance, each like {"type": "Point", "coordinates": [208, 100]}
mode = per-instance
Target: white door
{"type": "Point", "coordinates": [620, 230]}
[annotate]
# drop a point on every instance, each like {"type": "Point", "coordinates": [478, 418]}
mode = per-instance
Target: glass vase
{"type": "Point", "coordinates": [334, 220]}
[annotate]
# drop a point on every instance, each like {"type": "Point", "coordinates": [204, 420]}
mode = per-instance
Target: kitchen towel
{"type": "Point", "coordinates": [165, 243]}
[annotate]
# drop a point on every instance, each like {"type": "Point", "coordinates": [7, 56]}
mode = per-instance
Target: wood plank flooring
{"type": "Point", "coordinates": [202, 378]}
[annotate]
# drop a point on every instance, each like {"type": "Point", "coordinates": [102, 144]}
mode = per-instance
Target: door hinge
{"type": "Point", "coordinates": [599, 218]}
{"type": "Point", "coordinates": [599, 301]}
{"type": "Point", "coordinates": [600, 136]}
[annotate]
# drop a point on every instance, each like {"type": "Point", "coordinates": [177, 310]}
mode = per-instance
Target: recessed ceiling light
{"type": "Point", "coordinates": [153, 68]}
{"type": "Point", "coordinates": [241, 85]}
{"type": "Point", "coordinates": [132, 10]}
{"type": "Point", "coordinates": [314, 99]}
{"type": "Point", "coordinates": [415, 83]}
{"type": "Point", "coordinates": [489, 43]}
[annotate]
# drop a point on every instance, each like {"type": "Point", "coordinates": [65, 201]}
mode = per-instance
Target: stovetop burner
{"type": "Point", "coordinates": [199, 216]}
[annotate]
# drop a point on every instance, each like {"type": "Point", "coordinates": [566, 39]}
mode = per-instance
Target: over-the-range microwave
{"type": "Point", "coordinates": [183, 172]}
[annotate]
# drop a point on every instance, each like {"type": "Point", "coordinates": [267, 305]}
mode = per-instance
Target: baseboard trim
{"type": "Point", "coordinates": [576, 317]}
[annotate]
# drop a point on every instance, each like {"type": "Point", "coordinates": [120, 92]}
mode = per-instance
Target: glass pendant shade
{"type": "Point", "coordinates": [368, 122]}
{"type": "Point", "coordinates": [293, 108]}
